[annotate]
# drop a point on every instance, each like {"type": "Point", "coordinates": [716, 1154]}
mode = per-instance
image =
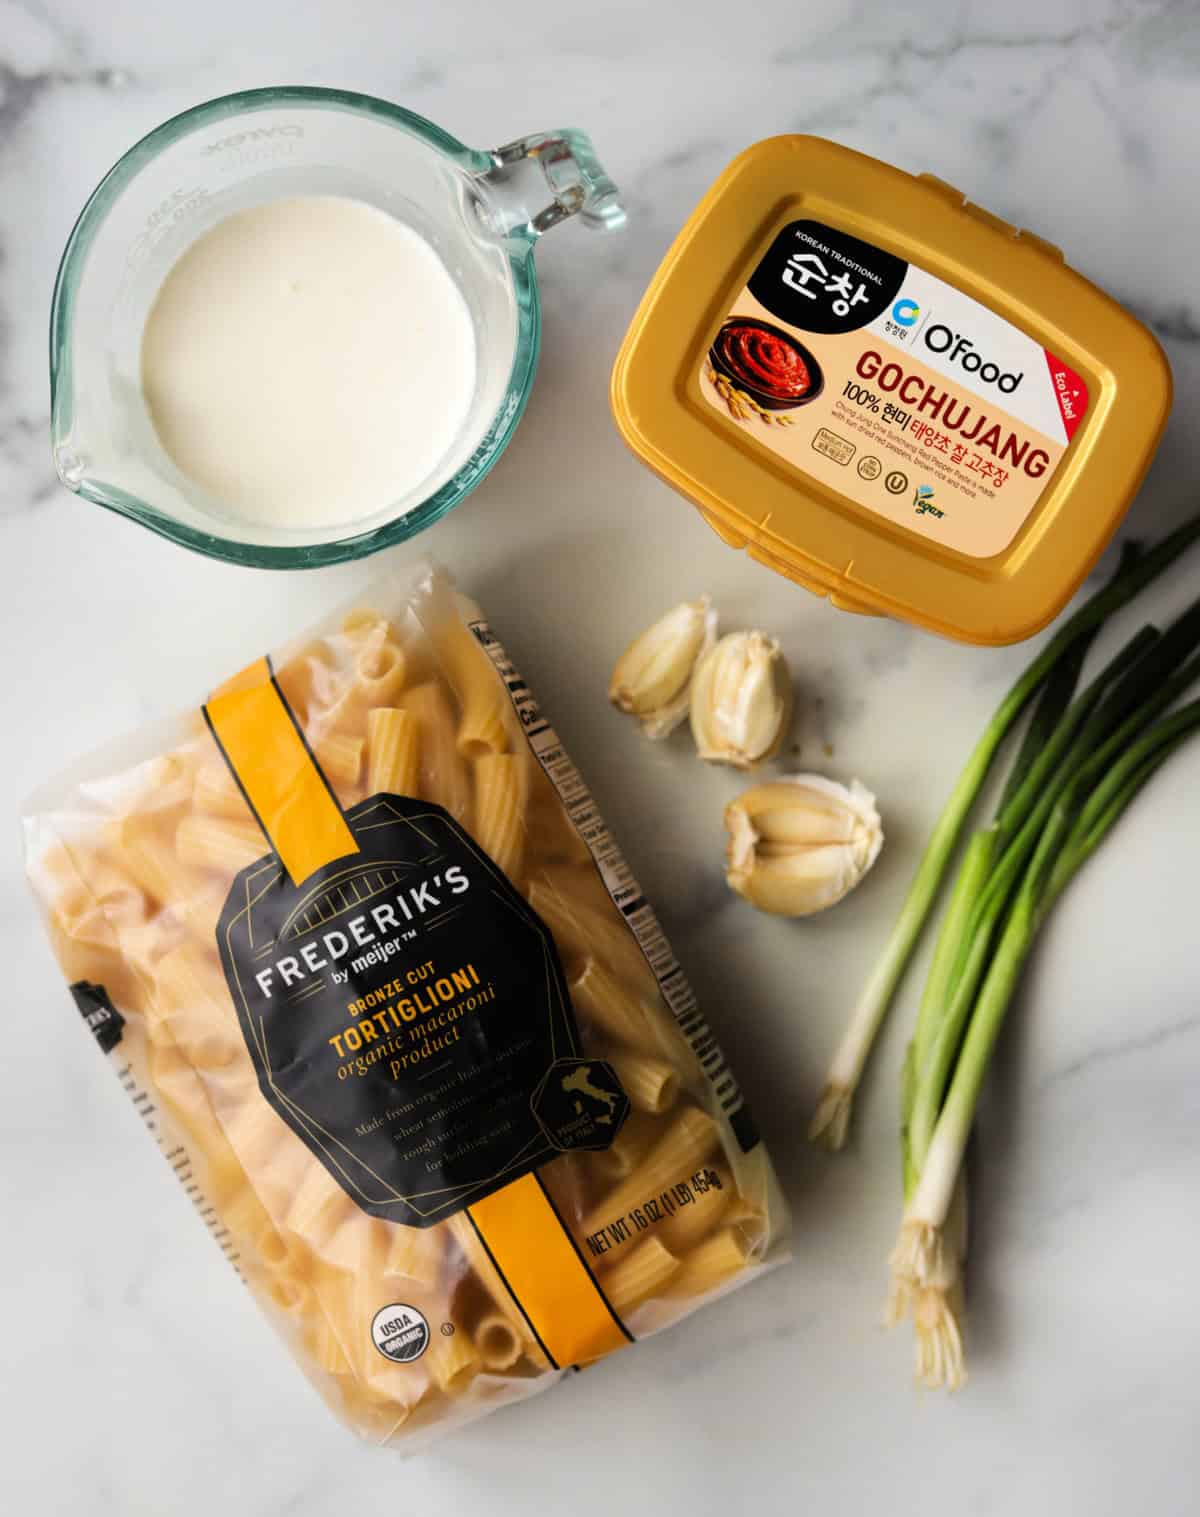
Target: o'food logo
{"type": "Point", "coordinates": [954, 347]}
{"type": "Point", "coordinates": [905, 312]}
{"type": "Point", "coordinates": [400, 1332]}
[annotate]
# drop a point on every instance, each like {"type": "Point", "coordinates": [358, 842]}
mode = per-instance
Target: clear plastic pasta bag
{"type": "Point", "coordinates": [359, 945]}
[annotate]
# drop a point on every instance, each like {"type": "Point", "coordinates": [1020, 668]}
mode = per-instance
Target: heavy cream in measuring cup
{"type": "Point", "coordinates": [308, 362]}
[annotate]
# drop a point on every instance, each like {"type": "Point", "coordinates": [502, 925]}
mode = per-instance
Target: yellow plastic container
{"type": "Point", "coordinates": [889, 395]}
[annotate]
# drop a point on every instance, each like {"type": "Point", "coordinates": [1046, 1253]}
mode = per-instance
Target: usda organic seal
{"type": "Point", "coordinates": [400, 1332]}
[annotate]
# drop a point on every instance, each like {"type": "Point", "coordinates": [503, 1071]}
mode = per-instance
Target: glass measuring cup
{"type": "Point", "coordinates": [482, 211]}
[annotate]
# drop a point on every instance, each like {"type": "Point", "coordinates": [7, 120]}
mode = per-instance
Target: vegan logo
{"type": "Point", "coordinates": [923, 501]}
{"type": "Point", "coordinates": [905, 312]}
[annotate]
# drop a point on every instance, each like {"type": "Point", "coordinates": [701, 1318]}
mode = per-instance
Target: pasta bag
{"type": "Point", "coordinates": [358, 944]}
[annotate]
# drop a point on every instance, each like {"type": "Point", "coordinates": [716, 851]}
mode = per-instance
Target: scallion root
{"type": "Point", "coordinates": [939, 1361]}
{"type": "Point", "coordinates": [920, 1256]}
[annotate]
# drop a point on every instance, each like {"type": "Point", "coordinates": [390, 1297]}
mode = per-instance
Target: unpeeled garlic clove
{"type": "Point", "coordinates": [741, 700]}
{"type": "Point", "coordinates": [801, 843]}
{"type": "Point", "coordinates": [652, 678]}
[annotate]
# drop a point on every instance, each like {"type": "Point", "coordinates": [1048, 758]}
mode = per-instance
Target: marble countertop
{"type": "Point", "coordinates": [137, 1377]}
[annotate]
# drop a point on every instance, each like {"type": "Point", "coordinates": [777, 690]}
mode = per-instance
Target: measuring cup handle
{"type": "Point", "coordinates": [571, 172]}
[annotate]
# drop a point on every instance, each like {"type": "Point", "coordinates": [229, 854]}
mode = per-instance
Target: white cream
{"type": "Point", "coordinates": [308, 362]}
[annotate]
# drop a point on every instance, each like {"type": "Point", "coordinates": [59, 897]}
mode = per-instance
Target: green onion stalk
{"type": "Point", "coordinates": [926, 1264]}
{"type": "Point", "coordinates": [1070, 742]}
{"type": "Point", "coordinates": [831, 1120]}
{"type": "Point", "coordinates": [1084, 734]}
{"type": "Point", "coordinates": [1093, 730]}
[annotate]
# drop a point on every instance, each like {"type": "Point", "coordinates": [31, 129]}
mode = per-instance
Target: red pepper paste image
{"type": "Point", "coordinates": [766, 363]}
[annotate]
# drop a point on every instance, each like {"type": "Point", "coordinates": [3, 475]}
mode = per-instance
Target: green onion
{"type": "Point", "coordinates": [976, 869]}
{"type": "Point", "coordinates": [927, 1261]}
{"type": "Point", "coordinates": [1057, 694]}
{"type": "Point", "coordinates": [972, 876]}
{"type": "Point", "coordinates": [1081, 714]}
{"type": "Point", "coordinates": [950, 996]}
{"type": "Point", "coordinates": [831, 1119]}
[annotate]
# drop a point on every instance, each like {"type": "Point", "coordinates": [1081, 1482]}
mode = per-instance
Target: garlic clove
{"type": "Point", "coordinates": [800, 844]}
{"type": "Point", "coordinates": [808, 808]}
{"type": "Point", "coordinates": [741, 700]}
{"type": "Point", "coordinates": [652, 678]}
{"type": "Point", "coordinates": [799, 884]}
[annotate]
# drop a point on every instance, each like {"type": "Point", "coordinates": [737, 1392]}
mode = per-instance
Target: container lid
{"type": "Point", "coordinates": [888, 394]}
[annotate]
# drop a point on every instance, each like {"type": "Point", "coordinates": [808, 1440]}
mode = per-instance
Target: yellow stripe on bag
{"type": "Point", "coordinates": [270, 760]}
{"type": "Point", "coordinates": [519, 1226]}
{"type": "Point", "coordinates": [541, 1266]}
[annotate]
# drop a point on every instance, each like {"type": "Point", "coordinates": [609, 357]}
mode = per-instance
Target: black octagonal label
{"type": "Point", "coordinates": [402, 1007]}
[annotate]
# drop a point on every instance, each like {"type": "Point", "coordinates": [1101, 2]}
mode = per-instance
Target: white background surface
{"type": "Point", "coordinates": [136, 1377]}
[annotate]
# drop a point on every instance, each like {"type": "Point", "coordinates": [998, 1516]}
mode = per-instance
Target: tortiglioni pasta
{"type": "Point", "coordinates": [357, 939]}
